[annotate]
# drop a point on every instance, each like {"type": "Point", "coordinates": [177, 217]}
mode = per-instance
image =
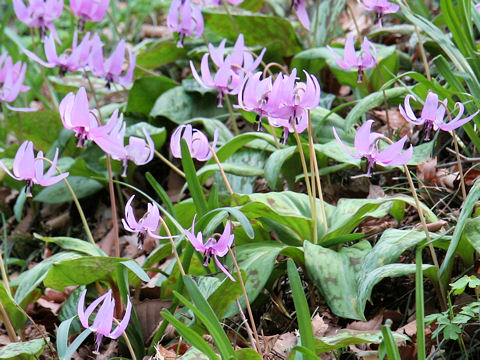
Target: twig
{"type": "Point", "coordinates": [224, 176]}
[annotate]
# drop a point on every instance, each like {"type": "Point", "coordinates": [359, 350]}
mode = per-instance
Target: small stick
{"type": "Point", "coordinates": [127, 341]}
{"type": "Point", "coordinates": [224, 176]}
{"type": "Point", "coordinates": [174, 248]}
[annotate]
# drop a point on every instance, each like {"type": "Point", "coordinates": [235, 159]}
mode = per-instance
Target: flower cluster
{"type": "Point", "coordinates": [285, 101]}
{"type": "Point", "coordinates": [11, 81]}
{"type": "Point", "coordinates": [102, 325]}
{"type": "Point", "coordinates": [39, 14]}
{"type": "Point", "coordinates": [197, 143]}
{"type": "Point", "coordinates": [232, 68]}
{"type": "Point", "coordinates": [365, 60]}
{"type": "Point", "coordinates": [366, 146]}
{"type": "Point", "coordinates": [30, 168]}
{"type": "Point", "coordinates": [433, 115]}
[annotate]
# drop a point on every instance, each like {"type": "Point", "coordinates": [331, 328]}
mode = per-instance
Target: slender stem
{"type": "Point", "coordinates": [352, 14]}
{"type": "Point", "coordinates": [272, 64]}
{"type": "Point", "coordinates": [457, 152]}
{"type": "Point", "coordinates": [77, 203]}
{"type": "Point", "coordinates": [314, 190]}
{"type": "Point", "coordinates": [232, 116]}
{"type": "Point", "coordinates": [272, 131]}
{"type": "Point", "coordinates": [304, 166]}
{"type": "Point", "coordinates": [420, 46]}
{"type": "Point", "coordinates": [247, 303]}
{"type": "Point", "coordinates": [385, 103]}
{"type": "Point", "coordinates": [114, 23]}
{"type": "Point", "coordinates": [127, 341]}
{"type": "Point", "coordinates": [174, 248]}
{"type": "Point", "coordinates": [12, 335]}
{"type": "Point", "coordinates": [247, 326]}
{"type": "Point", "coordinates": [224, 176]}
{"type": "Point", "coordinates": [317, 19]}
{"type": "Point", "coordinates": [419, 305]}
{"type": "Point", "coordinates": [317, 173]}
{"type": "Point", "coordinates": [145, 70]}
{"type": "Point", "coordinates": [4, 274]}
{"type": "Point", "coordinates": [232, 20]}
{"type": "Point", "coordinates": [166, 161]}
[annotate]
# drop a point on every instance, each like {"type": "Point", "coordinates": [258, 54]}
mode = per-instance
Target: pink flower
{"type": "Point", "coordinates": [92, 10]}
{"type": "Point", "coordinates": [72, 60]}
{"type": "Point", "coordinates": [27, 167]}
{"type": "Point", "coordinates": [299, 6]}
{"type": "Point", "coordinates": [219, 2]}
{"type": "Point", "coordinates": [111, 68]}
{"type": "Point", "coordinates": [366, 60]}
{"type": "Point", "coordinates": [253, 95]}
{"type": "Point", "coordinates": [380, 6]}
{"type": "Point", "coordinates": [146, 225]}
{"type": "Point", "coordinates": [213, 247]}
{"type": "Point", "coordinates": [186, 19]}
{"type": "Point", "coordinates": [289, 102]}
{"type": "Point", "coordinates": [433, 115]}
{"type": "Point", "coordinates": [102, 325]}
{"type": "Point", "coordinates": [197, 143]}
{"type": "Point", "coordinates": [11, 81]}
{"type": "Point", "coordinates": [366, 146]}
{"type": "Point", "coordinates": [39, 13]}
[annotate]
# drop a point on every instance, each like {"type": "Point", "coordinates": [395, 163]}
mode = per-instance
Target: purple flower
{"type": "Point", "coordinates": [197, 143]}
{"type": "Point", "coordinates": [366, 59]}
{"type": "Point", "coordinates": [186, 19]}
{"type": "Point", "coordinates": [433, 115]}
{"type": "Point", "coordinates": [146, 225]}
{"type": "Point", "coordinates": [92, 10]}
{"type": "Point", "coordinates": [380, 6]}
{"type": "Point", "coordinates": [27, 167]}
{"type": "Point", "coordinates": [138, 150]}
{"type": "Point", "coordinates": [300, 9]}
{"type": "Point", "coordinates": [253, 95]}
{"type": "Point", "coordinates": [289, 102]}
{"type": "Point", "coordinates": [39, 13]}
{"type": "Point", "coordinates": [213, 247]}
{"type": "Point", "coordinates": [102, 325]}
{"type": "Point", "coordinates": [366, 146]}
{"type": "Point", "coordinates": [111, 68]}
{"type": "Point", "coordinates": [231, 68]}
{"type": "Point", "coordinates": [72, 60]}
{"type": "Point", "coordinates": [11, 81]}
{"type": "Point", "coordinates": [219, 2]}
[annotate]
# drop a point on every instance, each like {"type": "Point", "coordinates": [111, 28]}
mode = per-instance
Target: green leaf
{"type": "Point", "coordinates": [160, 192]}
{"type": "Point", "coordinates": [192, 180]}
{"type": "Point", "coordinates": [257, 260]}
{"type": "Point", "coordinates": [277, 34]}
{"type": "Point", "coordinates": [247, 354]}
{"type": "Point", "coordinates": [459, 286]}
{"type": "Point", "coordinates": [25, 350]}
{"type": "Point", "coordinates": [58, 193]}
{"type": "Point", "coordinates": [19, 203]}
{"type": "Point", "coordinates": [136, 269]}
{"type": "Point", "coordinates": [329, 12]}
{"type": "Point", "coordinates": [191, 336]}
{"type": "Point", "coordinates": [346, 337]}
{"type": "Point", "coordinates": [158, 135]}
{"type": "Point", "coordinates": [76, 344]}
{"type": "Point", "coordinates": [62, 337]}
{"type": "Point", "coordinates": [221, 298]}
{"type": "Point", "coordinates": [69, 243]}
{"type": "Point", "coordinates": [16, 316]}
{"type": "Point", "coordinates": [160, 53]}
{"type": "Point", "coordinates": [145, 91]}
{"type": "Point", "coordinates": [301, 307]}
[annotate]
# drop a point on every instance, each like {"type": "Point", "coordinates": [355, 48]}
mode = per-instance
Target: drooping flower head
{"type": "Point", "coordinates": [366, 146]}
{"type": "Point", "coordinates": [27, 167]}
{"type": "Point", "coordinates": [300, 9]}
{"type": "Point", "coordinates": [232, 68]}
{"type": "Point", "coordinates": [72, 60]}
{"type": "Point", "coordinates": [218, 2]}
{"type": "Point", "coordinates": [196, 140]}
{"type": "Point", "coordinates": [11, 81]}
{"type": "Point", "coordinates": [91, 10]}
{"type": "Point", "coordinates": [213, 246]}
{"type": "Point", "coordinates": [380, 6]}
{"type": "Point", "coordinates": [433, 115]}
{"type": "Point", "coordinates": [290, 100]}
{"type": "Point", "coordinates": [102, 325]}
{"type": "Point", "coordinates": [39, 14]}
{"type": "Point", "coordinates": [111, 69]}
{"type": "Point", "coordinates": [186, 19]}
{"type": "Point", "coordinates": [365, 60]}
{"type": "Point", "coordinates": [254, 94]}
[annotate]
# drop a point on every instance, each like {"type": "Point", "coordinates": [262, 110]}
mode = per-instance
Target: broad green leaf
{"type": "Point", "coordinates": [347, 337]}
{"type": "Point", "coordinates": [160, 53]}
{"type": "Point", "coordinates": [257, 260]}
{"type": "Point", "coordinates": [16, 316]}
{"type": "Point", "coordinates": [58, 193]}
{"type": "Point", "coordinates": [195, 354]}
{"type": "Point", "coordinates": [328, 13]}
{"type": "Point", "coordinates": [247, 354]}
{"type": "Point", "coordinates": [192, 180]}
{"type": "Point", "coordinates": [225, 292]}
{"type": "Point", "coordinates": [69, 243]}
{"type": "Point", "coordinates": [19, 203]}
{"type": "Point", "coordinates": [276, 33]}
{"type": "Point", "coordinates": [145, 92]}
{"type": "Point", "coordinates": [158, 135]}
{"type": "Point", "coordinates": [23, 350]}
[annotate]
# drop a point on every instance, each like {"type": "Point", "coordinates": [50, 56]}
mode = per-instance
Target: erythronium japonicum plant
{"type": "Point", "coordinates": [433, 114]}
{"type": "Point", "coordinates": [366, 146]}
{"type": "Point", "coordinates": [365, 60]}
{"type": "Point", "coordinates": [102, 325]}
{"type": "Point", "coordinates": [213, 246]}
{"type": "Point", "coordinates": [30, 168]}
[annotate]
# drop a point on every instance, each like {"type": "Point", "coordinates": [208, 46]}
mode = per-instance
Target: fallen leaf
{"type": "Point", "coordinates": [373, 324]}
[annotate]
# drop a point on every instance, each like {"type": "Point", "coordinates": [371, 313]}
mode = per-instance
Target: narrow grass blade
{"type": "Point", "coordinates": [192, 180]}
{"type": "Point", "coordinates": [160, 192]}
{"type": "Point", "coordinates": [389, 343]}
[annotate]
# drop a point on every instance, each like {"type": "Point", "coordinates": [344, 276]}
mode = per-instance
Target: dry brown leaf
{"type": "Point", "coordinates": [148, 312]}
{"type": "Point", "coordinates": [410, 329]}
{"type": "Point", "coordinates": [162, 353]}
{"type": "Point", "coordinates": [427, 171]}
{"type": "Point", "coordinates": [319, 326]}
{"type": "Point", "coordinates": [283, 344]}
{"type": "Point", "coordinates": [396, 122]}
{"type": "Point", "coordinates": [373, 324]}
{"type": "Point", "coordinates": [375, 192]}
